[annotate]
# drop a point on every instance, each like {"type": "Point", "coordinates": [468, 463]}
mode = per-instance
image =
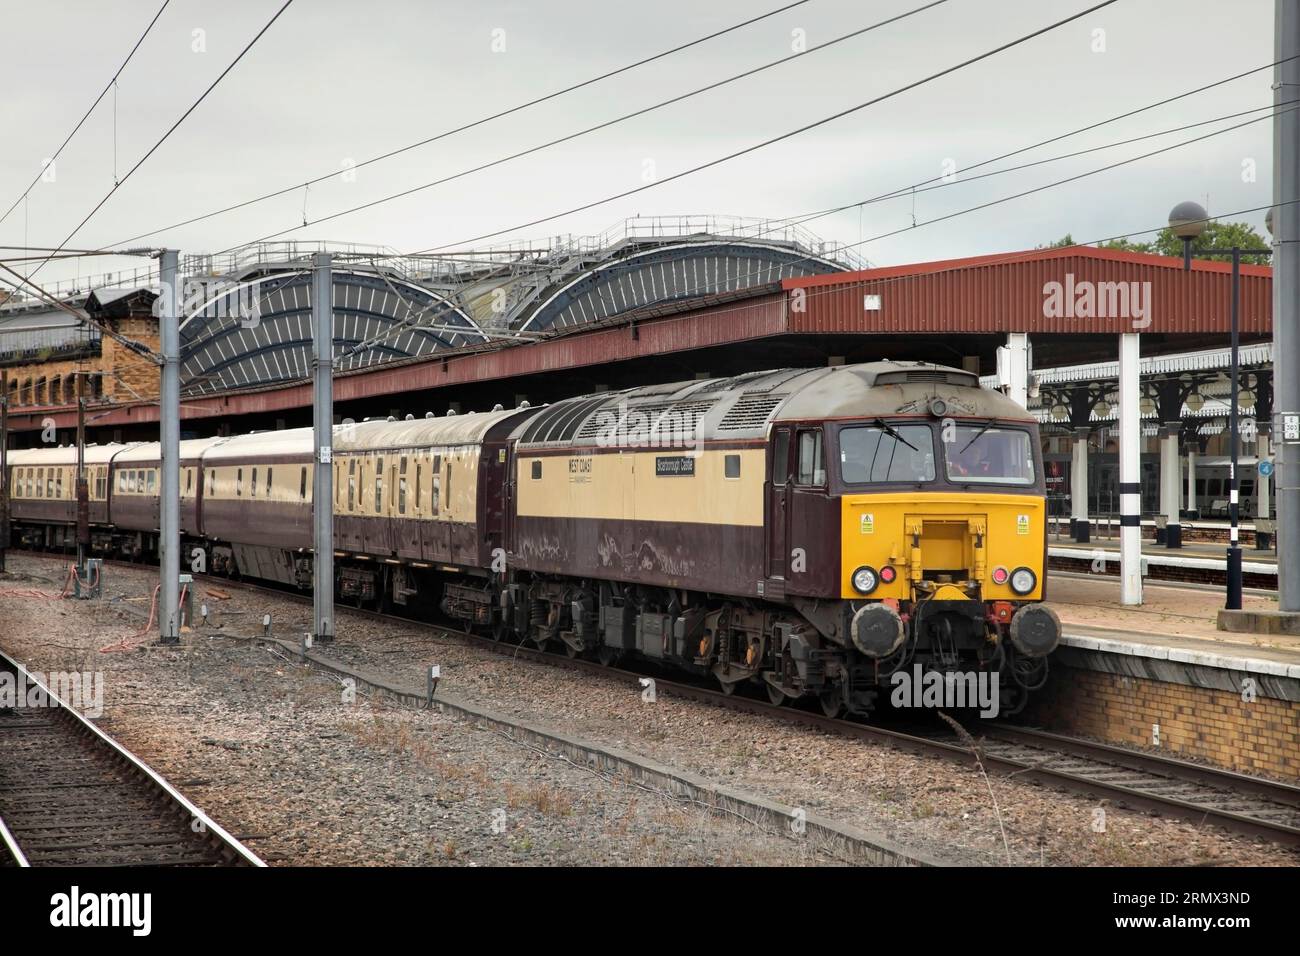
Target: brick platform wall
{"type": "Point", "coordinates": [1260, 737]}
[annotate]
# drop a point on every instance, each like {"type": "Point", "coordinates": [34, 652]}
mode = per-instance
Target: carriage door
{"type": "Point", "coordinates": [778, 510]}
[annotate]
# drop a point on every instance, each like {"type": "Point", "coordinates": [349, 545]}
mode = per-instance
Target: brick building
{"type": "Point", "coordinates": [43, 349]}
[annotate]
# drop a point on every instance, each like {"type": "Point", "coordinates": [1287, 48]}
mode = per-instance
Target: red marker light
{"type": "Point", "coordinates": [887, 574]}
{"type": "Point", "coordinates": [1000, 575]}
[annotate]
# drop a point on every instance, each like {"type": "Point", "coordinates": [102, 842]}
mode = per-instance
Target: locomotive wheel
{"type": "Point", "coordinates": [727, 687]}
{"type": "Point", "coordinates": [570, 651]}
{"type": "Point", "coordinates": [832, 702]}
{"type": "Point", "coordinates": [606, 656]}
{"type": "Point", "coordinates": [776, 695]}
{"type": "Point", "coordinates": [500, 630]}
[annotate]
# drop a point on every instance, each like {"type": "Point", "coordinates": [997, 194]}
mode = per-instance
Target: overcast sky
{"type": "Point", "coordinates": [339, 80]}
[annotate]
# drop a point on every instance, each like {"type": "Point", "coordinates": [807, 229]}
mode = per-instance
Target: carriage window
{"type": "Point", "coordinates": [781, 458]}
{"type": "Point", "coordinates": [418, 469]}
{"type": "Point", "coordinates": [1247, 487]}
{"type": "Point", "coordinates": [269, 473]}
{"type": "Point", "coordinates": [812, 464]}
{"type": "Point", "coordinates": [379, 486]}
{"type": "Point", "coordinates": [898, 453]}
{"type": "Point", "coordinates": [239, 482]}
{"type": "Point", "coordinates": [352, 484]}
{"type": "Point", "coordinates": [731, 466]}
{"type": "Point", "coordinates": [537, 468]}
{"type": "Point", "coordinates": [252, 487]}
{"type": "Point", "coordinates": [212, 480]}
{"type": "Point", "coordinates": [302, 484]}
{"type": "Point", "coordinates": [152, 479]}
{"type": "Point", "coordinates": [401, 496]}
{"type": "Point", "coordinates": [58, 484]}
{"type": "Point", "coordinates": [1001, 456]}
{"type": "Point", "coordinates": [40, 482]}
{"type": "Point", "coordinates": [447, 485]}
{"type": "Point", "coordinates": [189, 481]}
{"type": "Point", "coordinates": [121, 481]}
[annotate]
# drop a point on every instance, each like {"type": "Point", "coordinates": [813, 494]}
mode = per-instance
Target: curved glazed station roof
{"type": "Point", "coordinates": [258, 331]}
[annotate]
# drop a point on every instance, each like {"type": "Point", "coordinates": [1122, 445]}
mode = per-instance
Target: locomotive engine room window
{"type": "Point", "coordinates": [537, 468]}
{"type": "Point", "coordinates": [731, 466]}
{"type": "Point", "coordinates": [889, 453]}
{"type": "Point", "coordinates": [812, 464]}
{"type": "Point", "coordinates": [302, 485]}
{"type": "Point", "coordinates": [981, 453]}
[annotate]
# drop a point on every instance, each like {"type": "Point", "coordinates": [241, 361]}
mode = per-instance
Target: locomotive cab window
{"type": "Point", "coordinates": [886, 453]}
{"type": "Point", "coordinates": [781, 457]}
{"type": "Point", "coordinates": [989, 455]}
{"type": "Point", "coordinates": [812, 462]}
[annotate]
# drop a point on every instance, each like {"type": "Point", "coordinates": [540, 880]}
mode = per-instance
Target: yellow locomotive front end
{"type": "Point", "coordinates": [947, 575]}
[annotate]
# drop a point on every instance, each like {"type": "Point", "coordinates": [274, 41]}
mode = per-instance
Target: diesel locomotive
{"type": "Point", "coordinates": [809, 531]}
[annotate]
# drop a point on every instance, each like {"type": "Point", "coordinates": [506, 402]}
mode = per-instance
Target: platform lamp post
{"type": "Point", "coordinates": [1187, 220]}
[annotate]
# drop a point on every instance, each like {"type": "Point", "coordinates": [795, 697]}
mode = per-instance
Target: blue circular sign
{"type": "Point", "coordinates": [1266, 467]}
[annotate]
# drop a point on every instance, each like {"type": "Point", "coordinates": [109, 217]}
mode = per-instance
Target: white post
{"type": "Point", "coordinates": [1013, 371]}
{"type": "Point", "coordinates": [1079, 486]}
{"type": "Point", "coordinates": [1130, 486]}
{"type": "Point", "coordinates": [1170, 478]}
{"type": "Point", "coordinates": [1191, 480]}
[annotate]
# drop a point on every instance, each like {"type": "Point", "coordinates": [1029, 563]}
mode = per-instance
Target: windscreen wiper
{"type": "Point", "coordinates": [987, 426]}
{"type": "Point", "coordinates": [893, 433]}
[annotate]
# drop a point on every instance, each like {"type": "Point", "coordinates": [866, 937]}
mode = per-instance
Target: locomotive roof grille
{"type": "Point", "coordinates": [929, 375]}
{"type": "Point", "coordinates": [649, 418]}
{"type": "Point", "coordinates": [750, 411]}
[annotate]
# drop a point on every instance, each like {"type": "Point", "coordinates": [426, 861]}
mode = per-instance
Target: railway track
{"type": "Point", "coordinates": [72, 796]}
{"type": "Point", "coordinates": [1125, 779]}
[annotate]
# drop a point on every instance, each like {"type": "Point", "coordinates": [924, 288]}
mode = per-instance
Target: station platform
{"type": "Point", "coordinates": [1163, 676]}
{"type": "Point", "coordinates": [1194, 561]}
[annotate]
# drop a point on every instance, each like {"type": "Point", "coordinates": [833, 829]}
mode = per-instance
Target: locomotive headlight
{"type": "Point", "coordinates": [1023, 580]}
{"type": "Point", "coordinates": [865, 580]}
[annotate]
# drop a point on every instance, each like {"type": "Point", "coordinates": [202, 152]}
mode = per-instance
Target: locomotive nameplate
{"type": "Point", "coordinates": [675, 466]}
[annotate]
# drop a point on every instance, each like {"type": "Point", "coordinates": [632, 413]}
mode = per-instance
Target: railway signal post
{"type": "Point", "coordinates": [169, 506]}
{"type": "Point", "coordinates": [322, 488]}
